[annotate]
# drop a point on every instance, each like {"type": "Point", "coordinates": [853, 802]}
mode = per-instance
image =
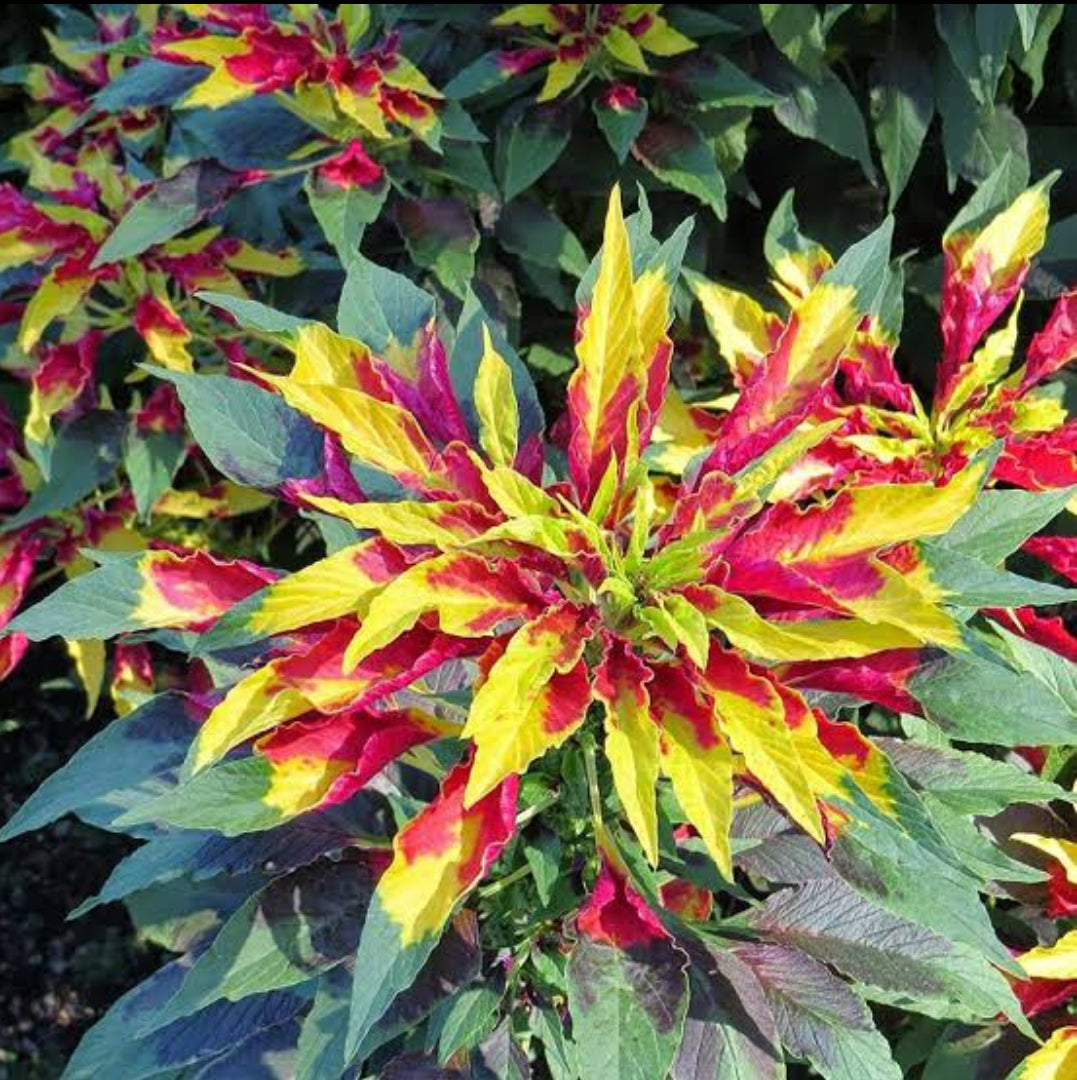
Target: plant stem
{"type": "Point", "coordinates": [509, 879]}
{"type": "Point", "coordinates": [592, 783]}
{"type": "Point", "coordinates": [533, 812]}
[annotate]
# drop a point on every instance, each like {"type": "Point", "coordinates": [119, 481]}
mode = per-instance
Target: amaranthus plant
{"type": "Point", "coordinates": [530, 769]}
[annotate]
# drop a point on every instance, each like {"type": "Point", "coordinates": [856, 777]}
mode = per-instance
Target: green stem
{"type": "Point", "coordinates": [509, 879]}
{"type": "Point", "coordinates": [540, 807]}
{"type": "Point", "coordinates": [593, 791]}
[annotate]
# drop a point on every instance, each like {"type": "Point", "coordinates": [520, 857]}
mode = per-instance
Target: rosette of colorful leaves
{"type": "Point", "coordinates": [493, 615]}
{"type": "Point", "coordinates": [981, 396]}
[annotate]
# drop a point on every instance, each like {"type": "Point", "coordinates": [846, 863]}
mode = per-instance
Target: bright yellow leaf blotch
{"type": "Point", "coordinates": [495, 402]}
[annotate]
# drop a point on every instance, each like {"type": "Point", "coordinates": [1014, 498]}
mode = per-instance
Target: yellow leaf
{"type": "Point", "coordinates": [1058, 961]}
{"type": "Point", "coordinates": [495, 403]}
{"type": "Point", "coordinates": [53, 300]}
{"type": "Point", "coordinates": [752, 716]}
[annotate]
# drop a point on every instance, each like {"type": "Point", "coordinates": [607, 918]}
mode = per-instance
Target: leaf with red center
{"type": "Point", "coordinates": [164, 332]}
{"type": "Point", "coordinates": [751, 714]}
{"type": "Point", "coordinates": [64, 373]}
{"type": "Point", "coordinates": [882, 678]}
{"type": "Point", "coordinates": [696, 756]}
{"type": "Point", "coordinates": [1053, 347]}
{"type": "Point", "coordinates": [158, 589]}
{"type": "Point", "coordinates": [533, 698]}
{"type": "Point", "coordinates": [631, 737]}
{"type": "Point", "coordinates": [983, 270]}
{"type": "Point", "coordinates": [317, 679]}
{"type": "Point", "coordinates": [687, 900]}
{"type": "Point", "coordinates": [325, 761]}
{"type": "Point", "coordinates": [1059, 552]}
{"type": "Point", "coordinates": [627, 989]}
{"type": "Point", "coordinates": [470, 596]}
{"type": "Point", "coordinates": [438, 857]}
{"type": "Point", "coordinates": [337, 585]}
{"type": "Point", "coordinates": [132, 677]}
{"type": "Point", "coordinates": [606, 390]}
{"type": "Point", "coordinates": [615, 914]}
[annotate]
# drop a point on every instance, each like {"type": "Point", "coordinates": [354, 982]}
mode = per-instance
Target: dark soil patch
{"type": "Point", "coordinates": [56, 977]}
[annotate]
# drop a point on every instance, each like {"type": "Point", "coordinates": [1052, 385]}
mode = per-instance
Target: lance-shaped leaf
{"type": "Point", "coordinates": [743, 330]}
{"type": "Point", "coordinates": [984, 268]}
{"type": "Point", "coordinates": [1052, 1061]}
{"type": "Point", "coordinates": [697, 757]}
{"type": "Point", "coordinates": [469, 595]}
{"type": "Point", "coordinates": [335, 586]}
{"type": "Point", "coordinates": [785, 387]}
{"type": "Point", "coordinates": [607, 386]}
{"type": "Point", "coordinates": [376, 433]}
{"type": "Point", "coordinates": [829, 921]}
{"type": "Point", "coordinates": [296, 927]}
{"type": "Point", "coordinates": [152, 590]}
{"type": "Point", "coordinates": [533, 698]}
{"type": "Point", "coordinates": [818, 1017]}
{"type": "Point", "coordinates": [495, 402]}
{"type": "Point", "coordinates": [729, 1032]}
{"type": "Point", "coordinates": [631, 738]}
{"type": "Point", "coordinates": [804, 639]}
{"type": "Point", "coordinates": [444, 524]}
{"type": "Point", "coordinates": [246, 431]}
{"type": "Point", "coordinates": [150, 741]}
{"type": "Point", "coordinates": [316, 679]}
{"type": "Point", "coordinates": [752, 716]}
{"type": "Point", "coordinates": [627, 988]}
{"type": "Point", "coordinates": [438, 857]}
{"type": "Point", "coordinates": [122, 1045]}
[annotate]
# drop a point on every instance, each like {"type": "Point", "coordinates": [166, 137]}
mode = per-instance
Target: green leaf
{"type": "Point", "coordinates": [201, 855]}
{"type": "Point", "coordinates": [168, 208]}
{"type": "Point", "coordinates": [549, 362]}
{"type": "Point", "coordinates": [527, 146]}
{"type": "Point", "coordinates": [980, 700]}
{"type": "Point", "coordinates": [228, 799]}
{"type": "Point", "coordinates": [344, 213]}
{"type": "Point", "coordinates": [118, 1045]}
{"type": "Point", "coordinates": [620, 125]}
{"type": "Point", "coordinates": [902, 105]}
{"type": "Point", "coordinates": [559, 1050]}
{"type": "Point", "coordinates": [967, 782]}
{"type": "Point", "coordinates": [529, 229]}
{"type": "Point", "coordinates": [866, 266]}
{"type": "Point", "coordinates": [151, 459]}
{"type": "Point", "coordinates": [729, 1032]}
{"type": "Point", "coordinates": [819, 1018]}
{"type": "Point", "coordinates": [838, 927]}
{"type": "Point", "coordinates": [86, 453]}
{"type": "Point", "coordinates": [798, 32]}
{"type": "Point", "coordinates": [476, 78]}
{"type": "Point", "coordinates": [440, 236]}
{"type": "Point", "coordinates": [381, 308]}
{"type": "Point", "coordinates": [468, 1018]}
{"type": "Point", "coordinates": [455, 963]}
{"type": "Point", "coordinates": [298, 926]}
{"type": "Point", "coordinates": [252, 435]}
{"type": "Point", "coordinates": [384, 969]}
{"type": "Point", "coordinates": [978, 42]}
{"type": "Point", "coordinates": [1027, 18]}
{"type": "Point", "coordinates": [827, 113]}
{"type": "Point", "coordinates": [131, 761]}
{"type": "Point", "coordinates": [1031, 62]}
{"type": "Point", "coordinates": [999, 522]}
{"type": "Point", "coordinates": [627, 1009]}
{"type": "Point", "coordinates": [970, 582]}
{"type": "Point", "coordinates": [717, 83]}
{"type": "Point", "coordinates": [252, 315]}
{"type": "Point", "coordinates": [676, 152]}
{"type": "Point", "coordinates": [148, 84]}
{"type": "Point", "coordinates": [543, 854]}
